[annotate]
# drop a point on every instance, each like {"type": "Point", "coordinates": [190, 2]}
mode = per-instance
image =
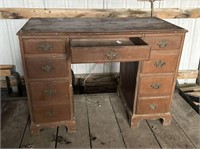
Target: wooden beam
{"type": "Point", "coordinates": [19, 13]}
{"type": "Point", "coordinates": [187, 74]}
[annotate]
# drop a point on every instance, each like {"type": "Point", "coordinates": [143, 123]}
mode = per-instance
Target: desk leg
{"type": "Point", "coordinates": [135, 120]}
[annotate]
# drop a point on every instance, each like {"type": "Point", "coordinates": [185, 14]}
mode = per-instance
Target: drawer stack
{"type": "Point", "coordinates": [47, 78]}
{"type": "Point", "coordinates": [157, 76]}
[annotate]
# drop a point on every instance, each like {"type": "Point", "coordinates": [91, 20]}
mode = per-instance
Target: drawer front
{"type": "Point", "coordinates": [46, 67]}
{"type": "Point", "coordinates": [107, 54]}
{"type": "Point", "coordinates": [55, 113]}
{"type": "Point", "coordinates": [155, 85]}
{"type": "Point", "coordinates": [153, 106]}
{"type": "Point", "coordinates": [160, 63]}
{"type": "Point", "coordinates": [43, 46]}
{"type": "Point", "coordinates": [49, 92]}
{"type": "Point", "coordinates": [164, 42]}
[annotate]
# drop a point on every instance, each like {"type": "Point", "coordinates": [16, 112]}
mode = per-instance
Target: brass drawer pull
{"type": "Point", "coordinates": [111, 55]}
{"type": "Point", "coordinates": [153, 106]}
{"type": "Point", "coordinates": [49, 92]}
{"type": "Point", "coordinates": [45, 46]}
{"type": "Point", "coordinates": [159, 64]}
{"type": "Point", "coordinates": [47, 68]}
{"type": "Point", "coordinates": [162, 43]}
{"type": "Point", "coordinates": [155, 85]}
{"type": "Point", "coordinates": [51, 114]}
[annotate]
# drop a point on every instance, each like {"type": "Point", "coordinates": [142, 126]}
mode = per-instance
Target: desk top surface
{"type": "Point", "coordinates": [98, 25]}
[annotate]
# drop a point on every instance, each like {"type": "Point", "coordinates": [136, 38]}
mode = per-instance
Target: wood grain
{"type": "Point", "coordinates": [187, 119]}
{"type": "Point", "coordinates": [79, 139]}
{"type": "Point", "coordinates": [14, 116]}
{"type": "Point", "coordinates": [19, 13]}
{"type": "Point", "coordinates": [104, 131]}
{"type": "Point", "coordinates": [134, 138]}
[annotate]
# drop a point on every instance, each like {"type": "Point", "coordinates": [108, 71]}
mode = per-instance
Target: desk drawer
{"type": "Point", "coordinates": [44, 46]}
{"type": "Point", "coordinates": [42, 114]}
{"type": "Point", "coordinates": [155, 85]}
{"type": "Point", "coordinates": [106, 50]}
{"type": "Point", "coordinates": [164, 42]}
{"type": "Point", "coordinates": [153, 106]}
{"type": "Point", "coordinates": [46, 67]}
{"type": "Point", "coordinates": [49, 92]}
{"type": "Point", "coordinates": [160, 63]}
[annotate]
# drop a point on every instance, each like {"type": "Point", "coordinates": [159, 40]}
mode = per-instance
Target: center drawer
{"type": "Point", "coordinates": [106, 50]}
{"type": "Point", "coordinates": [49, 92]}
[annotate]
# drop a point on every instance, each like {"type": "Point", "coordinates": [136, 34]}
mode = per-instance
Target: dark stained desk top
{"type": "Point", "coordinates": [94, 25]}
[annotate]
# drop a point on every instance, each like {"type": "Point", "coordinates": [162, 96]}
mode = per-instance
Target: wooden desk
{"type": "Point", "coordinates": [149, 50]}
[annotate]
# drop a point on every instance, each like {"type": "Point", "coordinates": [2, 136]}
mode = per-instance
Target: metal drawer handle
{"type": "Point", "coordinates": [162, 43]}
{"type": "Point", "coordinates": [111, 55]}
{"type": "Point", "coordinates": [45, 46]}
{"type": "Point", "coordinates": [153, 106]}
{"type": "Point", "coordinates": [155, 85]}
{"type": "Point", "coordinates": [159, 63]}
{"type": "Point", "coordinates": [49, 92]}
{"type": "Point", "coordinates": [51, 114]}
{"type": "Point", "coordinates": [47, 68]}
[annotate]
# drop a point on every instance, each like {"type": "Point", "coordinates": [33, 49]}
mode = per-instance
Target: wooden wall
{"type": "Point", "coordinates": [9, 46]}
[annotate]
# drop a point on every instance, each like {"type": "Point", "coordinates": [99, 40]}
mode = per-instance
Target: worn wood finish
{"type": "Point", "coordinates": [155, 85]}
{"type": "Point", "coordinates": [164, 13]}
{"type": "Point", "coordinates": [187, 74]}
{"type": "Point", "coordinates": [46, 139]}
{"type": "Point", "coordinates": [190, 125]}
{"type": "Point", "coordinates": [101, 119]}
{"type": "Point", "coordinates": [14, 117]}
{"type": "Point", "coordinates": [182, 133]}
{"type": "Point", "coordinates": [51, 113]}
{"type": "Point", "coordinates": [100, 40]}
{"type": "Point", "coordinates": [133, 138]}
{"type": "Point", "coordinates": [109, 50]}
{"type": "Point", "coordinates": [170, 136]}
{"type": "Point", "coordinates": [80, 139]}
{"type": "Point", "coordinates": [49, 92]}
{"type": "Point", "coordinates": [160, 63]}
{"type": "Point", "coordinates": [46, 67]}
{"type": "Point", "coordinates": [150, 106]}
{"type": "Point", "coordinates": [167, 42]}
{"type": "Point", "coordinates": [44, 46]}
{"type": "Point", "coordinates": [81, 26]}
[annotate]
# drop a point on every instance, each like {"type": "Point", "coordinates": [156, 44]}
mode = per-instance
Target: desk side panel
{"type": "Point", "coordinates": [128, 76]}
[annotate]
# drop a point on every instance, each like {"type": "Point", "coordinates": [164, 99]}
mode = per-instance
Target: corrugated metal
{"type": "Point", "coordinates": [9, 49]}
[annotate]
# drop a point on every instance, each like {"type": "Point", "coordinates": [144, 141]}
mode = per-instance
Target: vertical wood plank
{"type": "Point", "coordinates": [79, 139]}
{"type": "Point", "coordinates": [104, 131]}
{"type": "Point", "coordinates": [141, 137]}
{"type": "Point", "coordinates": [170, 136]}
{"type": "Point", "coordinates": [14, 116]}
{"type": "Point", "coordinates": [182, 110]}
{"type": "Point", "coordinates": [46, 139]}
